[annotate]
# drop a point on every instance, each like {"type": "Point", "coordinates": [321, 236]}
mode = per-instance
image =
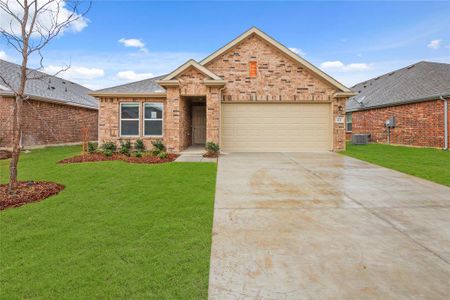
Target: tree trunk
{"type": "Point", "coordinates": [17, 129]}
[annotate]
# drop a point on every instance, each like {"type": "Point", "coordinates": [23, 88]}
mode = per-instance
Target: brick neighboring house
{"type": "Point", "coordinates": [253, 94]}
{"type": "Point", "coordinates": [56, 112]}
{"type": "Point", "coordinates": [414, 95]}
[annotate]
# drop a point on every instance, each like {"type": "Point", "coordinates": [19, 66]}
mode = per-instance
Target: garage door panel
{"type": "Point", "coordinates": [276, 127]}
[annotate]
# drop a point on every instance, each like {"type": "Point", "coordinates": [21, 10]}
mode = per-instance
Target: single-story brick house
{"type": "Point", "coordinates": [56, 112]}
{"type": "Point", "coordinates": [253, 94]}
{"type": "Point", "coordinates": [416, 96]}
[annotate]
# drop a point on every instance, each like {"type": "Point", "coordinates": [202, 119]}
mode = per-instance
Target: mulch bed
{"type": "Point", "coordinates": [211, 155]}
{"type": "Point", "coordinates": [26, 192]}
{"type": "Point", "coordinates": [146, 159]}
{"type": "Point", "coordinates": [5, 154]}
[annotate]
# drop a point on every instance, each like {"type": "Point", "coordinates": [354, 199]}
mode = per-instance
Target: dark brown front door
{"type": "Point", "coordinates": [198, 125]}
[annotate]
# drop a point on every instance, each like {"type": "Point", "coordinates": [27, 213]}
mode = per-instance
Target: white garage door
{"type": "Point", "coordinates": [273, 127]}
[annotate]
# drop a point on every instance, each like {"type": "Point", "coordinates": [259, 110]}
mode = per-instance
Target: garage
{"type": "Point", "coordinates": [276, 127]}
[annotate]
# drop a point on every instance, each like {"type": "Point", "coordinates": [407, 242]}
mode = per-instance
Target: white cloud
{"type": "Point", "coordinates": [337, 65]}
{"type": "Point", "coordinates": [133, 76]}
{"type": "Point", "coordinates": [75, 73]}
{"type": "Point", "coordinates": [45, 18]}
{"type": "Point", "coordinates": [298, 51]}
{"type": "Point", "coordinates": [134, 43]}
{"type": "Point", "coordinates": [434, 44]}
{"type": "Point", "coordinates": [5, 56]}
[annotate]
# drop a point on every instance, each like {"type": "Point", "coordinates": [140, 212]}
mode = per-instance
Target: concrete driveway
{"type": "Point", "coordinates": [326, 226]}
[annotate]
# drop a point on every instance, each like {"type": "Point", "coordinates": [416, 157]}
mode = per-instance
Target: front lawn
{"type": "Point", "coordinates": [117, 230]}
{"type": "Point", "coordinates": [427, 163]}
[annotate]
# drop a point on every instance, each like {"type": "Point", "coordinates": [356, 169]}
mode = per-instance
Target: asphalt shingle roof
{"type": "Point", "coordinates": [137, 87]}
{"type": "Point", "coordinates": [46, 86]}
{"type": "Point", "coordinates": [419, 81]}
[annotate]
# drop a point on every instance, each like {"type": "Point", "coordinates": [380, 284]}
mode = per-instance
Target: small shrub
{"type": "Point", "coordinates": [138, 154]}
{"type": "Point", "coordinates": [92, 147]}
{"type": "Point", "coordinates": [158, 147]}
{"type": "Point", "coordinates": [108, 152]}
{"type": "Point", "coordinates": [111, 146]}
{"type": "Point", "coordinates": [125, 148]}
{"type": "Point", "coordinates": [212, 148]}
{"type": "Point", "coordinates": [139, 145]}
{"type": "Point", "coordinates": [162, 154]}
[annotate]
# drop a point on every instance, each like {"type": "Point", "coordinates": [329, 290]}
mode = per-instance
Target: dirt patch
{"type": "Point", "coordinates": [28, 191]}
{"type": "Point", "coordinates": [211, 155]}
{"type": "Point", "coordinates": [146, 159]}
{"type": "Point", "coordinates": [5, 154]}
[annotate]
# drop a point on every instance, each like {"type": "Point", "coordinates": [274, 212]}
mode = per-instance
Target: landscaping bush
{"type": "Point", "coordinates": [110, 146]}
{"type": "Point", "coordinates": [125, 147]}
{"type": "Point", "coordinates": [108, 152]}
{"type": "Point", "coordinates": [212, 148]}
{"type": "Point", "coordinates": [158, 147]}
{"type": "Point", "coordinates": [139, 145]}
{"type": "Point", "coordinates": [92, 147]}
{"type": "Point", "coordinates": [138, 154]}
{"type": "Point", "coordinates": [162, 154]}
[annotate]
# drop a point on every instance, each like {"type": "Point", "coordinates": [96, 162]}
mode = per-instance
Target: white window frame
{"type": "Point", "coordinates": [138, 119]}
{"type": "Point", "coordinates": [346, 121]}
{"type": "Point", "coordinates": [160, 119]}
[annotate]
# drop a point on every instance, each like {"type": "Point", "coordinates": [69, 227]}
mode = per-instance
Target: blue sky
{"type": "Point", "coordinates": [124, 41]}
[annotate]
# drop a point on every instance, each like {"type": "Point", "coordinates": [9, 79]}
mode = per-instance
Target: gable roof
{"type": "Point", "coordinates": [144, 88]}
{"type": "Point", "coordinates": [187, 65]}
{"type": "Point", "coordinates": [151, 87]}
{"type": "Point", "coordinates": [418, 82]}
{"type": "Point", "coordinates": [46, 87]}
{"type": "Point", "coordinates": [280, 47]}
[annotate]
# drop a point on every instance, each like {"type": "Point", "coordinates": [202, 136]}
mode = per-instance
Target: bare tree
{"type": "Point", "coordinates": [33, 25]}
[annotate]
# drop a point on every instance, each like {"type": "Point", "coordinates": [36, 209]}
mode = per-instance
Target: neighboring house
{"type": "Point", "coordinates": [253, 94]}
{"type": "Point", "coordinates": [56, 112]}
{"type": "Point", "coordinates": [413, 95]}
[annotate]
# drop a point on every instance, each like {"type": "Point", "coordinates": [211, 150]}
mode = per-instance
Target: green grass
{"type": "Point", "coordinates": [118, 230]}
{"type": "Point", "coordinates": [427, 163]}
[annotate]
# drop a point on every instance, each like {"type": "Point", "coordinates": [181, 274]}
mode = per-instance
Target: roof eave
{"type": "Point", "coordinates": [409, 101]}
{"type": "Point", "coordinates": [134, 95]}
{"type": "Point", "coordinates": [51, 100]}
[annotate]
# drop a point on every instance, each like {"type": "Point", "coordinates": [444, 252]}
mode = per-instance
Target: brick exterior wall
{"type": "Point", "coordinates": [46, 123]}
{"type": "Point", "coordinates": [279, 78]}
{"type": "Point", "coordinates": [109, 118]}
{"type": "Point", "coordinates": [417, 124]}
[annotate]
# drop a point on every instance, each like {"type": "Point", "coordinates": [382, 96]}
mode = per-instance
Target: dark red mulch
{"type": "Point", "coordinates": [26, 192]}
{"type": "Point", "coordinates": [5, 154]}
{"type": "Point", "coordinates": [211, 155]}
{"type": "Point", "coordinates": [146, 159]}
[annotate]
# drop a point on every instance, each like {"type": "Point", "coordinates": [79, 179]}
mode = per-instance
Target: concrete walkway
{"type": "Point", "coordinates": [326, 226]}
{"type": "Point", "coordinates": [194, 154]}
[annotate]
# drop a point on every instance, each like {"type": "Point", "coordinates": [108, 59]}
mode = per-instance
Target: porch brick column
{"type": "Point", "coordinates": [172, 121]}
{"type": "Point", "coordinates": [338, 129]}
{"type": "Point", "coordinates": [213, 115]}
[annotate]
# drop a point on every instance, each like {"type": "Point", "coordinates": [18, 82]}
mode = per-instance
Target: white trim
{"type": "Point", "coordinates": [138, 119]}
{"type": "Point", "coordinates": [144, 119]}
{"type": "Point", "coordinates": [185, 66]}
{"type": "Point", "coordinates": [283, 49]}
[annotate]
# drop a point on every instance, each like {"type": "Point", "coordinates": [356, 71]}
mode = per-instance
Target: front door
{"type": "Point", "coordinates": [199, 125]}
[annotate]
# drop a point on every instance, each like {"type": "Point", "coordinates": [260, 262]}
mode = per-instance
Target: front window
{"type": "Point", "coordinates": [348, 122]}
{"type": "Point", "coordinates": [153, 119]}
{"type": "Point", "coordinates": [129, 119]}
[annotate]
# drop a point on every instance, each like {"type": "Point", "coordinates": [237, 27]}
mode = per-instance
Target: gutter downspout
{"type": "Point", "coordinates": [445, 122]}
